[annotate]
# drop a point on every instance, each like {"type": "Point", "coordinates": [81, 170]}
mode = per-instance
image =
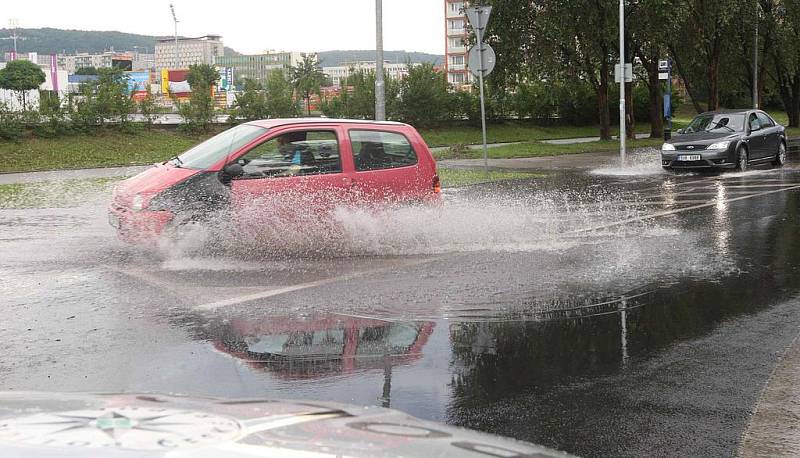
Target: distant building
{"type": "Point", "coordinates": [339, 73]}
{"type": "Point", "coordinates": [258, 66]}
{"type": "Point", "coordinates": [55, 81]}
{"type": "Point", "coordinates": [456, 36]}
{"type": "Point", "coordinates": [191, 51]}
{"type": "Point", "coordinates": [75, 62]}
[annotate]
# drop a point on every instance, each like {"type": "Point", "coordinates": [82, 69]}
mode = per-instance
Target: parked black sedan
{"type": "Point", "coordinates": [726, 140]}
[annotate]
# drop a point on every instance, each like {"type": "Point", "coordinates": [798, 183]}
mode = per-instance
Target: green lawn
{"type": "Point", "coordinates": [459, 177]}
{"type": "Point", "coordinates": [536, 149]}
{"type": "Point", "coordinates": [86, 151]}
{"type": "Point", "coordinates": [67, 193]}
{"type": "Point", "coordinates": [510, 132]}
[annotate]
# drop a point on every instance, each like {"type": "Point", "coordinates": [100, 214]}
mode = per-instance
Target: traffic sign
{"type": "Point", "coordinates": [663, 65]}
{"type": "Point", "coordinates": [478, 65]}
{"type": "Point", "coordinates": [663, 76]}
{"type": "Point", "coordinates": [628, 73]}
{"type": "Point", "coordinates": [478, 16]}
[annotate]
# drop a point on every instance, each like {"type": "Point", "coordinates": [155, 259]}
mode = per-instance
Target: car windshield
{"type": "Point", "coordinates": [217, 147]}
{"type": "Point", "coordinates": [716, 123]}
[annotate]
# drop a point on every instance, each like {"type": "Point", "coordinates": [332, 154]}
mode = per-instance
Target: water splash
{"type": "Point", "coordinates": [643, 162]}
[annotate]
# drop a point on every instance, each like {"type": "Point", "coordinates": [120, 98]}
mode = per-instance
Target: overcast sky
{"type": "Point", "coordinates": [250, 26]}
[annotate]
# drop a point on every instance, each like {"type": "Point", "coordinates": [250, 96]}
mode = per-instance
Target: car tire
{"type": "Point", "coordinates": [741, 159]}
{"type": "Point", "coordinates": [780, 157]}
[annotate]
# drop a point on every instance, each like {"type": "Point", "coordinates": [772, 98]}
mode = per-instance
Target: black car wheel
{"type": "Point", "coordinates": [741, 159]}
{"type": "Point", "coordinates": [780, 158]}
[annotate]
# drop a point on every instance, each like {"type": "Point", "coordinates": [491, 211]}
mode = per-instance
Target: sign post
{"type": "Point", "coordinates": [481, 63]}
{"type": "Point", "coordinates": [622, 81]}
{"type": "Point", "coordinates": [665, 73]}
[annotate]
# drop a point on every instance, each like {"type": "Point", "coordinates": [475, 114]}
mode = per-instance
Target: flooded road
{"type": "Point", "coordinates": [614, 311]}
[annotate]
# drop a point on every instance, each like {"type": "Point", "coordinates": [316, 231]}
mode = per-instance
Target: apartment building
{"type": "Point", "coordinates": [190, 51]}
{"type": "Point", "coordinates": [258, 66]}
{"type": "Point", "coordinates": [456, 36]}
{"type": "Point", "coordinates": [339, 73]}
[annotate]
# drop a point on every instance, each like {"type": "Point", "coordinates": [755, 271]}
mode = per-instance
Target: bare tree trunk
{"type": "Point", "coordinates": [602, 103]}
{"type": "Point", "coordinates": [713, 76]}
{"type": "Point", "coordinates": [686, 82]}
{"type": "Point", "coordinates": [656, 101]}
{"type": "Point", "coordinates": [630, 118]}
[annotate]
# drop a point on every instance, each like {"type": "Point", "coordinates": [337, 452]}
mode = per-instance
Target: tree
{"type": "Point", "coordinates": [21, 76]}
{"type": "Point", "coordinates": [424, 97]}
{"type": "Point", "coordinates": [279, 96]}
{"type": "Point", "coordinates": [86, 71]}
{"type": "Point", "coordinates": [251, 103]}
{"type": "Point", "coordinates": [785, 61]}
{"type": "Point", "coordinates": [198, 112]}
{"type": "Point", "coordinates": [307, 78]}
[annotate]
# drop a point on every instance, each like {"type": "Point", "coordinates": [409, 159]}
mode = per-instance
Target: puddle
{"type": "Point", "coordinates": [646, 162]}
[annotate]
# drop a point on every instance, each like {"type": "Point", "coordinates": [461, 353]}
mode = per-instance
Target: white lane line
{"type": "Point", "coordinates": [681, 210]}
{"type": "Point", "coordinates": [313, 284]}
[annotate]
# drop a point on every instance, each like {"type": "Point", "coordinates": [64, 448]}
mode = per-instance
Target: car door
{"type": "Point", "coordinates": [756, 140]}
{"type": "Point", "coordinates": [771, 134]}
{"type": "Point", "coordinates": [294, 175]}
{"type": "Point", "coordinates": [386, 165]}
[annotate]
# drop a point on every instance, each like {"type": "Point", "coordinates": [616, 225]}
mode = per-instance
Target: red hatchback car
{"type": "Point", "coordinates": [310, 162]}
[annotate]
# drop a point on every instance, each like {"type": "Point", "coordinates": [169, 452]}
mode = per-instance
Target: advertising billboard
{"type": "Point", "coordinates": [225, 82]}
{"type": "Point", "coordinates": [174, 83]}
{"type": "Point", "coordinates": [137, 84]}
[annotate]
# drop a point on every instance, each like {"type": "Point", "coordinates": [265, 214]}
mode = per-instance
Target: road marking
{"type": "Point", "coordinates": [681, 210]}
{"type": "Point", "coordinates": [301, 286]}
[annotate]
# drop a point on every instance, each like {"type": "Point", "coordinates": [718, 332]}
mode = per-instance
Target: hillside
{"type": "Point", "coordinates": [336, 58]}
{"type": "Point", "coordinates": [48, 41]}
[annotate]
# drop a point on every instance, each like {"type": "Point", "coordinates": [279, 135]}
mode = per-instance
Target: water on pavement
{"type": "Point", "coordinates": [614, 311]}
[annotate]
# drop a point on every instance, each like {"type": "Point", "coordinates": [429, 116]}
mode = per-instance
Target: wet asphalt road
{"type": "Point", "coordinates": [606, 312]}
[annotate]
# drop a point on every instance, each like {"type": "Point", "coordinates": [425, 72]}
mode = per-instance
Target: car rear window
{"type": "Point", "coordinates": [375, 150]}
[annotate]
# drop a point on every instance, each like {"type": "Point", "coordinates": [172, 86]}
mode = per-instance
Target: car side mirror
{"type": "Point", "coordinates": [234, 170]}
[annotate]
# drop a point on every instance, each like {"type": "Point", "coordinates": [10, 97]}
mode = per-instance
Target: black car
{"type": "Point", "coordinates": [726, 140]}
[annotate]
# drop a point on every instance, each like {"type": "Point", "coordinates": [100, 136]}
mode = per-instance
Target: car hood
{"type": "Point", "coordinates": [150, 182]}
{"type": "Point", "coordinates": [155, 425]}
{"type": "Point", "coordinates": [704, 137]}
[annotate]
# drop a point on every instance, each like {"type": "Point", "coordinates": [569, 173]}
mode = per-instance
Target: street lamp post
{"type": "Point", "coordinates": [622, 81]}
{"type": "Point", "coordinates": [755, 62]}
{"type": "Point", "coordinates": [380, 85]}
{"type": "Point", "coordinates": [175, 20]}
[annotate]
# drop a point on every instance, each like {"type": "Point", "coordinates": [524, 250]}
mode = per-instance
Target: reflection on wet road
{"type": "Point", "coordinates": [601, 313]}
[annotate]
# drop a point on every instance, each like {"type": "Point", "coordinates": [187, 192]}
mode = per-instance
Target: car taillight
{"type": "Point", "coordinates": [437, 184]}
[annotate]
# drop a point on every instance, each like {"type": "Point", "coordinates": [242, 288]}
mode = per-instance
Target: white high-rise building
{"type": "Point", "coordinates": [190, 51]}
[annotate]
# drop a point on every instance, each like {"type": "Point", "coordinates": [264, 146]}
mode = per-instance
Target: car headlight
{"type": "Point", "coordinates": [667, 147]}
{"type": "Point", "coordinates": [719, 145]}
{"type": "Point", "coordinates": [138, 202]}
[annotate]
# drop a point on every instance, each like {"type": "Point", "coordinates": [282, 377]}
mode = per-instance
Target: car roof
{"type": "Point", "coordinates": [742, 111]}
{"type": "Point", "coordinates": [279, 122]}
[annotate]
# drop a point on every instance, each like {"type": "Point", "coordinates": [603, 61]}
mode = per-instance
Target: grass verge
{"type": "Point", "coordinates": [50, 194]}
{"type": "Point", "coordinates": [452, 178]}
{"type": "Point", "coordinates": [510, 132]}
{"type": "Point", "coordinates": [104, 149]}
{"type": "Point", "coordinates": [538, 149]}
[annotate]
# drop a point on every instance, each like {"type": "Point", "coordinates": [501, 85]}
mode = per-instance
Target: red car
{"type": "Point", "coordinates": [309, 163]}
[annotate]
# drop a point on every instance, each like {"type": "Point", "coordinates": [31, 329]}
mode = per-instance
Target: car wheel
{"type": "Point", "coordinates": [741, 159]}
{"type": "Point", "coordinates": [780, 158]}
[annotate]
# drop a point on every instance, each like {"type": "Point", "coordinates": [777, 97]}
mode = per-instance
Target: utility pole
{"type": "Point", "coordinates": [622, 81]}
{"type": "Point", "coordinates": [13, 24]}
{"type": "Point", "coordinates": [380, 84]}
{"type": "Point", "coordinates": [175, 20]}
{"type": "Point", "coordinates": [755, 62]}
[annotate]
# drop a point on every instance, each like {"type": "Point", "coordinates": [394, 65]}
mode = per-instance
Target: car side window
{"type": "Point", "coordinates": [764, 120]}
{"type": "Point", "coordinates": [375, 150]}
{"type": "Point", "coordinates": [753, 122]}
{"type": "Point", "coordinates": [308, 152]}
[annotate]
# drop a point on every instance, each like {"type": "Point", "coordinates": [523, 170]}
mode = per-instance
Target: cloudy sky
{"type": "Point", "coordinates": [250, 26]}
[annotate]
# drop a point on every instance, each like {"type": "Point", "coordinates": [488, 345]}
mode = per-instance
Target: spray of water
{"type": "Point", "coordinates": [643, 162]}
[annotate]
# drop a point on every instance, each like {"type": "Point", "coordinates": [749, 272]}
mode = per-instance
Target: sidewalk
{"type": "Point", "coordinates": [79, 174]}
